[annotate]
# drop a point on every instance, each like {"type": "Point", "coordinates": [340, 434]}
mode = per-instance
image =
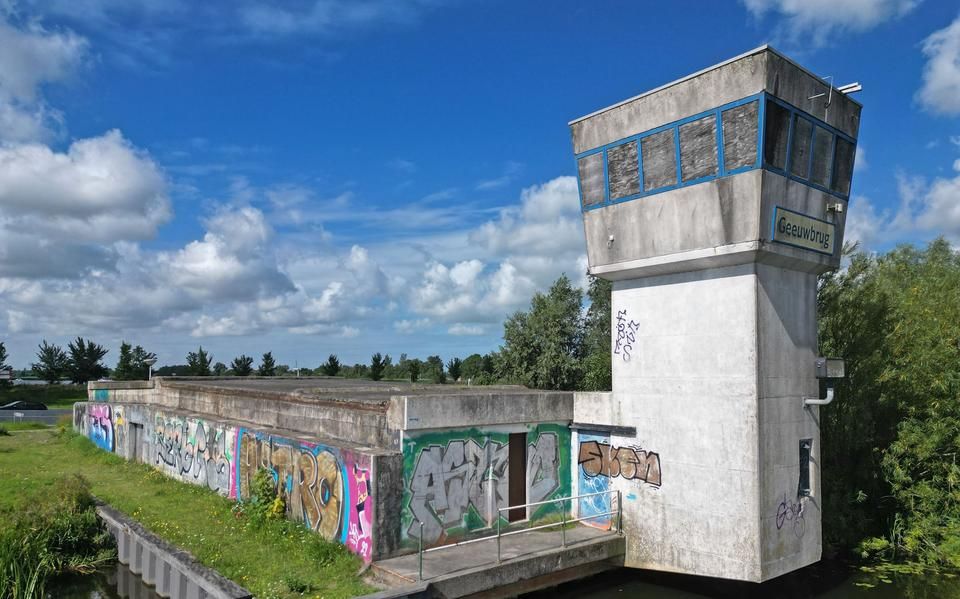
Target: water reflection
{"type": "Point", "coordinates": [824, 580]}
{"type": "Point", "coordinates": [118, 582]}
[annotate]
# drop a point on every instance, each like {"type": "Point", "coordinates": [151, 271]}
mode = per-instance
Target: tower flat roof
{"type": "Point", "coordinates": [757, 50]}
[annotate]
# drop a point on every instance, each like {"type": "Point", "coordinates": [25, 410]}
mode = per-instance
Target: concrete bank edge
{"type": "Point", "coordinates": [212, 582]}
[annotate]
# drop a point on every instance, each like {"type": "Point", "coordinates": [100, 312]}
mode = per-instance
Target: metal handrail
{"type": "Point", "coordinates": [563, 523]}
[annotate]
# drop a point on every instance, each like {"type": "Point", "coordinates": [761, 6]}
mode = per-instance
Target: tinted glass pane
{"type": "Point", "coordinates": [776, 129]}
{"type": "Point", "coordinates": [842, 166]}
{"type": "Point", "coordinates": [659, 160]}
{"type": "Point", "coordinates": [800, 148]}
{"type": "Point", "coordinates": [740, 136]}
{"type": "Point", "coordinates": [623, 170]}
{"type": "Point", "coordinates": [698, 148]}
{"type": "Point", "coordinates": [822, 157]}
{"type": "Point", "coordinates": [591, 179]}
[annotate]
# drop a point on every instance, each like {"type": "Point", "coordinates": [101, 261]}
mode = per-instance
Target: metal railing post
{"type": "Point", "coordinates": [619, 512]}
{"type": "Point", "coordinates": [420, 551]}
{"type": "Point", "coordinates": [498, 536]}
{"type": "Point", "coordinates": [563, 523]}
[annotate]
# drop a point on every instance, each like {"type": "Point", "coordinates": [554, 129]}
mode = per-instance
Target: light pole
{"type": "Point", "coordinates": [150, 362]}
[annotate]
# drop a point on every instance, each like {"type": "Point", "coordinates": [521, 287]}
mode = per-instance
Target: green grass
{"type": "Point", "coordinates": [11, 426]}
{"type": "Point", "coordinates": [54, 396]}
{"type": "Point", "coordinates": [273, 559]}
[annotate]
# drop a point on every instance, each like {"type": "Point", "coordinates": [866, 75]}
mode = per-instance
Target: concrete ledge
{"type": "Point", "coordinates": [545, 566]}
{"type": "Point", "coordinates": [528, 564]}
{"type": "Point", "coordinates": [174, 572]}
{"type": "Point", "coordinates": [116, 385]}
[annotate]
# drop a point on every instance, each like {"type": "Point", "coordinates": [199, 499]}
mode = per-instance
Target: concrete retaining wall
{"type": "Point", "coordinates": [330, 487]}
{"type": "Point", "coordinates": [173, 572]}
{"type": "Point", "coordinates": [362, 423]}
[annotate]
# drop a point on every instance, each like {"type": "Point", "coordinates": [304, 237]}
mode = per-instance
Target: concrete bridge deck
{"type": "Point", "coordinates": [529, 562]}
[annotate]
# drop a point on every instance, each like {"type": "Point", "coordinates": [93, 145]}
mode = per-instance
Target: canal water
{"type": "Point", "coordinates": [116, 582]}
{"type": "Point", "coordinates": [821, 581]}
{"type": "Point", "coordinates": [824, 580]}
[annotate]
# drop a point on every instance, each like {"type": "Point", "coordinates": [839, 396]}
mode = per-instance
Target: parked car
{"type": "Point", "coordinates": [23, 405]}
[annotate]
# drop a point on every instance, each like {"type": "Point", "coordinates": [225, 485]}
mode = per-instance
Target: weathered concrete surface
{"type": "Point", "coordinates": [174, 572]}
{"type": "Point", "coordinates": [216, 431]}
{"type": "Point", "coordinates": [761, 69]}
{"type": "Point", "coordinates": [717, 222]}
{"type": "Point", "coordinates": [713, 384]}
{"type": "Point", "coordinates": [351, 411]}
{"type": "Point", "coordinates": [714, 336]}
{"type": "Point", "coordinates": [329, 486]}
{"type": "Point", "coordinates": [534, 560]}
{"type": "Point", "coordinates": [479, 407]}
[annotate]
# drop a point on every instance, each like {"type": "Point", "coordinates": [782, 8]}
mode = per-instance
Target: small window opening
{"type": "Point", "coordinates": [804, 488]}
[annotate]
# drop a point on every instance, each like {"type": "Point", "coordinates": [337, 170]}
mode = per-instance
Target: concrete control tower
{"type": "Point", "coordinates": [713, 203]}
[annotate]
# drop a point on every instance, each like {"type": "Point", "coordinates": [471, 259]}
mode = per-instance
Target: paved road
{"type": "Point", "coordinates": [45, 416]}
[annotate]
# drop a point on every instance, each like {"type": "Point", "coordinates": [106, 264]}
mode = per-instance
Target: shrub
{"type": "Point", "coordinates": [54, 533]}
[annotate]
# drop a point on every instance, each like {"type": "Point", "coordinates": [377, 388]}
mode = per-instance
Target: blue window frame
{"type": "Point", "coordinates": [762, 99]}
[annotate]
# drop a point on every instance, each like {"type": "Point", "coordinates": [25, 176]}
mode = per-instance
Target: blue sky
{"type": "Point", "coordinates": [351, 176]}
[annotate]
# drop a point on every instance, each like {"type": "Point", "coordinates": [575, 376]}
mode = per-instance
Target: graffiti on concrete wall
{"type": "Point", "coordinates": [80, 417]}
{"type": "Point", "coordinates": [597, 458]}
{"type": "Point", "coordinates": [195, 450]}
{"type": "Point", "coordinates": [455, 482]}
{"type": "Point", "coordinates": [791, 512]}
{"type": "Point", "coordinates": [626, 335]}
{"type": "Point", "coordinates": [101, 395]}
{"type": "Point", "coordinates": [599, 500]}
{"type": "Point", "coordinates": [119, 430]}
{"type": "Point", "coordinates": [326, 488]}
{"type": "Point", "coordinates": [100, 426]}
{"type": "Point", "coordinates": [359, 526]}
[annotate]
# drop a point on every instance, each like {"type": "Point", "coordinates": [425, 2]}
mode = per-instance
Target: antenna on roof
{"type": "Point", "coordinates": [849, 88]}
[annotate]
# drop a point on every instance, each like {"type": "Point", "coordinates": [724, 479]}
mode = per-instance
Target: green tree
{"type": "Point", "coordinates": [376, 367]}
{"type": "Point", "coordinates": [242, 365]}
{"type": "Point", "coordinates": [543, 347]}
{"type": "Point", "coordinates": [433, 370]}
{"type": "Point", "coordinates": [4, 366]}
{"type": "Point", "coordinates": [268, 366]}
{"type": "Point", "coordinates": [597, 367]}
{"type": "Point", "coordinates": [332, 366]}
{"type": "Point", "coordinates": [455, 369]}
{"type": "Point", "coordinates": [472, 367]}
{"type": "Point", "coordinates": [85, 361]}
{"type": "Point", "coordinates": [198, 363]}
{"type": "Point", "coordinates": [893, 432]}
{"type": "Point", "coordinates": [140, 357]}
{"type": "Point", "coordinates": [220, 369]}
{"type": "Point", "coordinates": [51, 363]}
{"type": "Point", "coordinates": [124, 368]}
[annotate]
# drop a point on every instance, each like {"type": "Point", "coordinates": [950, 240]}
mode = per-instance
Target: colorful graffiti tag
{"type": "Point", "coordinates": [100, 429]}
{"type": "Point", "coordinates": [328, 489]}
{"type": "Point", "coordinates": [456, 481]}
{"type": "Point", "coordinates": [189, 448]}
{"type": "Point", "coordinates": [602, 459]}
{"type": "Point", "coordinates": [592, 484]}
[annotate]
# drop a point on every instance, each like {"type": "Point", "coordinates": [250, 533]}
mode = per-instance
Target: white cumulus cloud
{"type": "Point", "coordinates": [821, 19]}
{"type": "Point", "coordinates": [940, 92]}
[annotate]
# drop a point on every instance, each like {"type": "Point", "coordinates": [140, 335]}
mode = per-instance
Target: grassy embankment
{"type": "Point", "coordinates": [271, 559]}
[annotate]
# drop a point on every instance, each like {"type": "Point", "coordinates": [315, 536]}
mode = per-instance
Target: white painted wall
{"type": "Point", "coordinates": [712, 381]}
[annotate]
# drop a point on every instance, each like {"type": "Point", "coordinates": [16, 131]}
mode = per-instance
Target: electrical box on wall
{"type": "Point", "coordinates": [831, 368]}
